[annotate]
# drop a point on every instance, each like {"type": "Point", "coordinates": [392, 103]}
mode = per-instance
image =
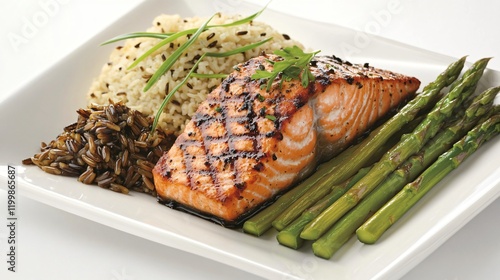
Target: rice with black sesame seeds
{"type": "Point", "coordinates": [119, 84]}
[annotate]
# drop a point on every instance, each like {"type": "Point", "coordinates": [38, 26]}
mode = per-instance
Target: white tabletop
{"type": "Point", "coordinates": [53, 244]}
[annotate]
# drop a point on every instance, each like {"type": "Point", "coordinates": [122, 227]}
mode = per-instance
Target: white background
{"type": "Point", "coordinates": [35, 34]}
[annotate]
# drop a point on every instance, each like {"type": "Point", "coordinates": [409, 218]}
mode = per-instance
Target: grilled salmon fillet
{"type": "Point", "coordinates": [244, 145]}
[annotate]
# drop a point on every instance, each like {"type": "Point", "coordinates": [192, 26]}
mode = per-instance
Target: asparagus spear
{"type": "Point", "coordinates": [261, 222]}
{"type": "Point", "coordinates": [328, 244]}
{"type": "Point", "coordinates": [290, 236]}
{"type": "Point", "coordinates": [372, 229]}
{"type": "Point", "coordinates": [342, 231]}
{"type": "Point", "coordinates": [409, 144]}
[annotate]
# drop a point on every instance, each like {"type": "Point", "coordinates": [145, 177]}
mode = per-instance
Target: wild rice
{"type": "Point", "coordinates": [115, 81]}
{"type": "Point", "coordinates": [110, 145]}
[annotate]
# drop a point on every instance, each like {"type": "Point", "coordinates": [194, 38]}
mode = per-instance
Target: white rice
{"type": "Point", "coordinates": [119, 84]}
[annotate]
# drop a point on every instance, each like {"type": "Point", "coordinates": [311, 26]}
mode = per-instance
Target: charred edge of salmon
{"type": "Point", "coordinates": [235, 224]}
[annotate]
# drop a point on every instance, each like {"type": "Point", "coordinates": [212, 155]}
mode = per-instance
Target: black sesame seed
{"type": "Point", "coordinates": [259, 166]}
{"type": "Point", "coordinates": [337, 59]}
{"type": "Point", "coordinates": [240, 186]}
{"type": "Point", "coordinates": [262, 111]}
{"type": "Point", "coordinates": [349, 80]}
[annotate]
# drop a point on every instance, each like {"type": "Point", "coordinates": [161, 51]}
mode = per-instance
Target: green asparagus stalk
{"type": "Point", "coordinates": [261, 222]}
{"type": "Point", "coordinates": [372, 229]}
{"type": "Point", "coordinates": [342, 231]}
{"type": "Point", "coordinates": [290, 236]}
{"type": "Point", "coordinates": [409, 144]}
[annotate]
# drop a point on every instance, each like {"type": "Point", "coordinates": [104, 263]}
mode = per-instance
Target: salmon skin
{"type": "Point", "coordinates": [245, 145]}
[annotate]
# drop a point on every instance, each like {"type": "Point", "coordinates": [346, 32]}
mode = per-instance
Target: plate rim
{"type": "Point", "coordinates": [51, 196]}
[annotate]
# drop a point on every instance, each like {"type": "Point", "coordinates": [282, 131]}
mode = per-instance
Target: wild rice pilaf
{"type": "Point", "coordinates": [117, 83]}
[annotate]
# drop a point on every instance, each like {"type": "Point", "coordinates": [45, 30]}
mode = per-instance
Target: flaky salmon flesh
{"type": "Point", "coordinates": [245, 145]}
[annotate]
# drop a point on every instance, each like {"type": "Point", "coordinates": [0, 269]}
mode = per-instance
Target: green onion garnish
{"type": "Point", "coordinates": [271, 117]}
{"type": "Point", "coordinates": [169, 62]}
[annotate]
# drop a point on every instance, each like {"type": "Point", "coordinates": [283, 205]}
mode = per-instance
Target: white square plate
{"type": "Point", "coordinates": [39, 111]}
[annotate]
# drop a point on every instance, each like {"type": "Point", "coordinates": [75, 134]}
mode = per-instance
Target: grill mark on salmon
{"type": "Point", "coordinates": [232, 156]}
